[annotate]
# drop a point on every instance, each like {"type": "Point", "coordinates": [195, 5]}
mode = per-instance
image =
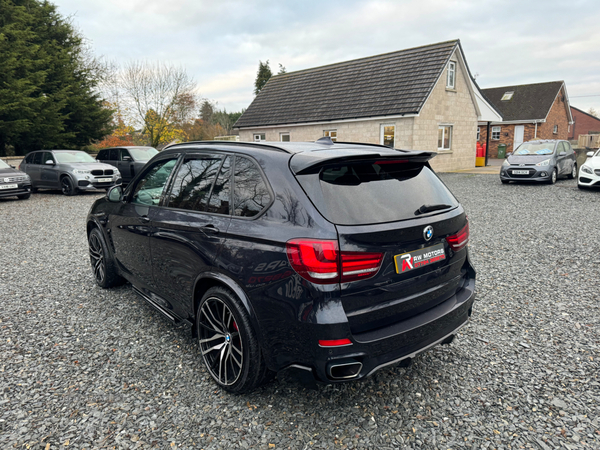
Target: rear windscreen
{"type": "Point", "coordinates": [376, 192]}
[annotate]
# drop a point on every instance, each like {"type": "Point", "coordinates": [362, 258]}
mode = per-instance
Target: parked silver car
{"type": "Point", "coordinates": [68, 170]}
{"type": "Point", "coordinates": [129, 160]}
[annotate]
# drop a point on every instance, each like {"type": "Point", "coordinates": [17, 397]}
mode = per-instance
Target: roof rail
{"type": "Point", "coordinates": [230, 143]}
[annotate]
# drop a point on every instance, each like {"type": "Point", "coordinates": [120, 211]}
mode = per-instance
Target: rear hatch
{"type": "Point", "coordinates": [398, 208]}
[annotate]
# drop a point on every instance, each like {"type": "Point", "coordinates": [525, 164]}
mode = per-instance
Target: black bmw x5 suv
{"type": "Point", "coordinates": [332, 260]}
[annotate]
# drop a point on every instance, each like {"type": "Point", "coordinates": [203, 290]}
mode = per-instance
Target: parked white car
{"type": "Point", "coordinates": [589, 174]}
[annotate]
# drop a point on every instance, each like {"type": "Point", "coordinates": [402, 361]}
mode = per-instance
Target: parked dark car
{"type": "Point", "coordinates": [129, 160]}
{"type": "Point", "coordinates": [331, 260]}
{"type": "Point", "coordinates": [540, 161]}
{"type": "Point", "coordinates": [70, 171]}
{"type": "Point", "coordinates": [14, 183]}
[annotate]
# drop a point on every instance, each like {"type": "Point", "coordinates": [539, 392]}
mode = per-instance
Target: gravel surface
{"type": "Point", "coordinates": [82, 367]}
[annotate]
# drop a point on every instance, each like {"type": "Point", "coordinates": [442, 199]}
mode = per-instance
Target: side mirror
{"type": "Point", "coordinates": [50, 162]}
{"type": "Point", "coordinates": [127, 158]}
{"type": "Point", "coordinates": [508, 154]}
{"type": "Point", "coordinates": [590, 154]}
{"type": "Point", "coordinates": [115, 194]}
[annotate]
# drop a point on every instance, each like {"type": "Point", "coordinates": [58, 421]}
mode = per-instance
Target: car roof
{"type": "Point", "coordinates": [305, 155]}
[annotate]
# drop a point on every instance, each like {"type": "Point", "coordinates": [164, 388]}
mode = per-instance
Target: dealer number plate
{"type": "Point", "coordinates": [104, 180]}
{"type": "Point", "coordinates": [419, 258]}
{"type": "Point", "coordinates": [520, 172]}
{"type": "Point", "coordinates": [9, 186]}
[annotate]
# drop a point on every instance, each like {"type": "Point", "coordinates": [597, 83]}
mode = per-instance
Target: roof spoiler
{"type": "Point", "coordinates": [302, 163]}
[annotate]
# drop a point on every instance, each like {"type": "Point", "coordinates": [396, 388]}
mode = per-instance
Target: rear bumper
{"type": "Point", "coordinates": [391, 345]}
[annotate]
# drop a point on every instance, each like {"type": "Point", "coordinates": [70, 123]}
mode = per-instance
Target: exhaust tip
{"type": "Point", "coordinates": [345, 371]}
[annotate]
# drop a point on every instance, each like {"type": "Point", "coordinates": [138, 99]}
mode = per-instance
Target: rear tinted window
{"type": "Point", "coordinates": [375, 192]}
{"type": "Point", "coordinates": [250, 195]}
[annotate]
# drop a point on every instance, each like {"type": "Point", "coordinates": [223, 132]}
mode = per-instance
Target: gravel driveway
{"type": "Point", "coordinates": [82, 367]}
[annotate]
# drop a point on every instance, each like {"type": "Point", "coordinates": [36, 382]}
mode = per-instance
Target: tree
{"type": "Point", "coordinates": [262, 76]}
{"type": "Point", "coordinates": [48, 81]}
{"type": "Point", "coordinates": [162, 98]}
{"type": "Point", "coordinates": [281, 70]}
{"type": "Point", "coordinates": [593, 112]}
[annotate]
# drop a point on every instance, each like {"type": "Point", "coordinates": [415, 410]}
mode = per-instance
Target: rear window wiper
{"type": "Point", "coordinates": [428, 208]}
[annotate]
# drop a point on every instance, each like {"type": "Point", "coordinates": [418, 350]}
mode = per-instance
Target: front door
{"type": "Point", "coordinates": [519, 135]}
{"type": "Point", "coordinates": [131, 226]}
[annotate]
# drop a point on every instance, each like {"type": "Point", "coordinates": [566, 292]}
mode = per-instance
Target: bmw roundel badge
{"type": "Point", "coordinates": [428, 233]}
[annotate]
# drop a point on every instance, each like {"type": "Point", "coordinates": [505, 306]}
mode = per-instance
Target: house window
{"type": "Point", "coordinates": [450, 80]}
{"type": "Point", "coordinates": [388, 133]}
{"type": "Point", "coordinates": [259, 137]}
{"type": "Point", "coordinates": [331, 134]}
{"type": "Point", "coordinates": [507, 96]}
{"type": "Point", "coordinates": [496, 133]}
{"type": "Point", "coordinates": [478, 133]}
{"type": "Point", "coordinates": [555, 129]}
{"type": "Point", "coordinates": [284, 137]}
{"type": "Point", "coordinates": [444, 137]}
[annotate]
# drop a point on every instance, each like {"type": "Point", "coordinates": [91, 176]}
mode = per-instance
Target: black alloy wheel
{"type": "Point", "coordinates": [66, 186]}
{"type": "Point", "coordinates": [103, 267]}
{"type": "Point", "coordinates": [228, 344]}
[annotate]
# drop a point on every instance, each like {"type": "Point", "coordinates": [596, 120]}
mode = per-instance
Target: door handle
{"type": "Point", "coordinates": [209, 229]}
{"type": "Point", "coordinates": [144, 219]}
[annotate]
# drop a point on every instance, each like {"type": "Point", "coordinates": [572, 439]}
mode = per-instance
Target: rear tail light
{"type": "Point", "coordinates": [459, 240]}
{"type": "Point", "coordinates": [321, 262]}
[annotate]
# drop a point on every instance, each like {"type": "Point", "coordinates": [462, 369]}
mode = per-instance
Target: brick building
{"type": "Point", "coordinates": [529, 111]}
{"type": "Point", "coordinates": [422, 98]}
{"type": "Point", "coordinates": [583, 123]}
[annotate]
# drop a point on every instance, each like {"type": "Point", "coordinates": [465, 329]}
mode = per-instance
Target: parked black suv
{"type": "Point", "coordinates": [329, 259]}
{"type": "Point", "coordinates": [129, 160]}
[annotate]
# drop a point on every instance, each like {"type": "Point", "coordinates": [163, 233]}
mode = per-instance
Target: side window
{"type": "Point", "coordinates": [37, 158]}
{"type": "Point", "coordinates": [250, 194]}
{"type": "Point", "coordinates": [102, 155]}
{"type": "Point", "coordinates": [125, 156]}
{"type": "Point", "coordinates": [561, 148]}
{"type": "Point", "coordinates": [113, 154]}
{"type": "Point", "coordinates": [220, 197]}
{"type": "Point", "coordinates": [29, 158]}
{"type": "Point", "coordinates": [151, 186]}
{"type": "Point", "coordinates": [193, 183]}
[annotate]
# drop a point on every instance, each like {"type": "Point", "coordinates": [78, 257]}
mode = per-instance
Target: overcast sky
{"type": "Point", "coordinates": [220, 42]}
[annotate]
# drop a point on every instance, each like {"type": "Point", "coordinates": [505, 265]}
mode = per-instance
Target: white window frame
{"type": "Point", "coordinates": [382, 130]}
{"type": "Point", "coordinates": [444, 127]}
{"type": "Point", "coordinates": [478, 133]}
{"type": "Point", "coordinates": [451, 75]}
{"type": "Point", "coordinates": [260, 136]}
{"type": "Point", "coordinates": [555, 129]}
{"type": "Point", "coordinates": [332, 134]}
{"type": "Point", "coordinates": [498, 131]}
{"type": "Point", "coordinates": [282, 134]}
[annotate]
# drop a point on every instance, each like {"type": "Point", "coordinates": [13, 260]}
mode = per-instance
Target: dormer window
{"type": "Point", "coordinates": [451, 77]}
{"type": "Point", "coordinates": [507, 96]}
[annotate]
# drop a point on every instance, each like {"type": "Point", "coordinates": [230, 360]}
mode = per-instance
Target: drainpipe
{"type": "Point", "coordinates": [487, 143]}
{"type": "Point", "coordinates": [535, 135]}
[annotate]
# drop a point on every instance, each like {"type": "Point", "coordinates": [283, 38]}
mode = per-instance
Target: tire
{"type": "Point", "coordinates": [553, 176]}
{"type": "Point", "coordinates": [66, 186]}
{"type": "Point", "coordinates": [504, 181]}
{"type": "Point", "coordinates": [228, 343]}
{"type": "Point", "coordinates": [103, 266]}
{"type": "Point", "coordinates": [573, 173]}
{"type": "Point", "coordinates": [24, 196]}
{"type": "Point", "coordinates": [34, 189]}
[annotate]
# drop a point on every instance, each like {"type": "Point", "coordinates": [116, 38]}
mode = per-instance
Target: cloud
{"type": "Point", "coordinates": [220, 43]}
